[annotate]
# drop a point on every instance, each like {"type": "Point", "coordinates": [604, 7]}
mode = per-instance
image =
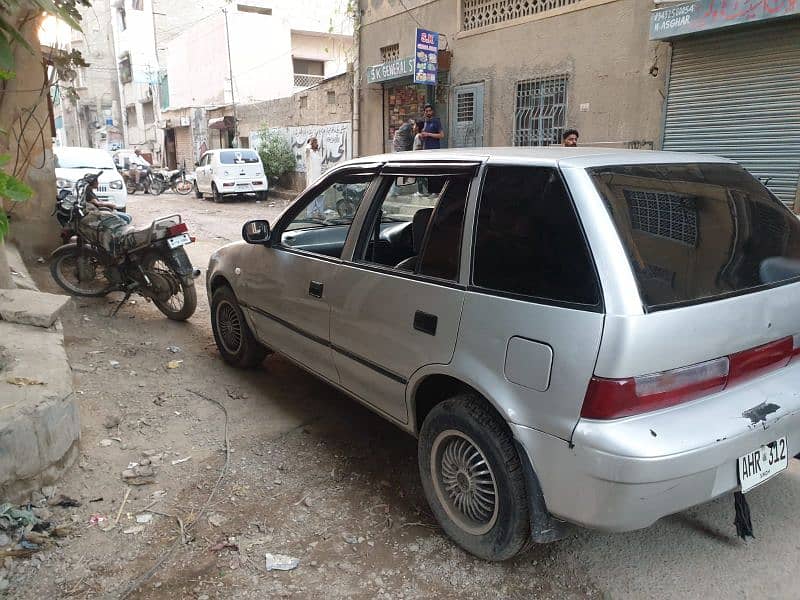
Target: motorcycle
{"type": "Point", "coordinates": [177, 180]}
{"type": "Point", "coordinates": [148, 182]}
{"type": "Point", "coordinates": [104, 254]}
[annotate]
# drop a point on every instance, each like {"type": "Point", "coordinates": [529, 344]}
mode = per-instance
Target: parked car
{"type": "Point", "coordinates": [224, 174]}
{"type": "Point", "coordinates": [73, 162]}
{"type": "Point", "coordinates": [576, 336]}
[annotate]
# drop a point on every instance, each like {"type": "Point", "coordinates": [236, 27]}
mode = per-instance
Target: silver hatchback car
{"type": "Point", "coordinates": [576, 336]}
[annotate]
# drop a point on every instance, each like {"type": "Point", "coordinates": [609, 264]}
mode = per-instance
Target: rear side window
{"type": "Point", "coordinates": [695, 232]}
{"type": "Point", "coordinates": [529, 241]}
{"type": "Point", "coordinates": [237, 157]}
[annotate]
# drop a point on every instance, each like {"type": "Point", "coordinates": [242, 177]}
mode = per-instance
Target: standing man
{"type": "Point", "coordinates": [403, 137]}
{"type": "Point", "coordinates": [432, 132]}
{"type": "Point", "coordinates": [313, 162]}
{"type": "Point", "coordinates": [570, 138]}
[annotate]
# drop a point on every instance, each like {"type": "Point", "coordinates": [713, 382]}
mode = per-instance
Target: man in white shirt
{"type": "Point", "coordinates": [313, 162]}
{"type": "Point", "coordinates": [140, 162]}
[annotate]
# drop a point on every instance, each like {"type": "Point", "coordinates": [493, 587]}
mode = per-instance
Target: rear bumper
{"type": "Point", "coordinates": [232, 186]}
{"type": "Point", "coordinates": [626, 474]}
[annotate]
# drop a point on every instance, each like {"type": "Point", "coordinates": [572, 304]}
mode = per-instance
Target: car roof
{"type": "Point", "coordinates": [580, 157]}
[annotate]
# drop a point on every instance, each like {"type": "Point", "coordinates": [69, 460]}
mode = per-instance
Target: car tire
{"type": "Point", "coordinates": [473, 478]}
{"type": "Point", "coordinates": [215, 194]}
{"type": "Point", "coordinates": [262, 196]}
{"type": "Point", "coordinates": [235, 342]}
{"type": "Point", "coordinates": [197, 193]}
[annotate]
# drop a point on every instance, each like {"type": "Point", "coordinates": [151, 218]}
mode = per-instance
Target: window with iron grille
{"type": "Point", "coordinates": [663, 214]}
{"type": "Point", "coordinates": [481, 13]}
{"type": "Point", "coordinates": [331, 95]}
{"type": "Point", "coordinates": [541, 111]}
{"type": "Point", "coordinates": [465, 107]}
{"type": "Point", "coordinates": [391, 52]}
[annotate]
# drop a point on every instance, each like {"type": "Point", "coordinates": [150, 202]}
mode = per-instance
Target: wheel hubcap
{"type": "Point", "coordinates": [229, 327]}
{"type": "Point", "coordinates": [464, 482]}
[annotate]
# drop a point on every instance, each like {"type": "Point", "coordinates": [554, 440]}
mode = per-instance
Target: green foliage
{"type": "Point", "coordinates": [275, 153]}
{"type": "Point", "coordinates": [12, 189]}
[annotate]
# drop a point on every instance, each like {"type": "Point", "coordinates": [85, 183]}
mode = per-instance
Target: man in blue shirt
{"type": "Point", "coordinates": [432, 132]}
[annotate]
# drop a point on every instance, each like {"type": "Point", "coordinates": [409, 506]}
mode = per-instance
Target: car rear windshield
{"type": "Point", "coordinates": [696, 232]}
{"type": "Point", "coordinates": [237, 157]}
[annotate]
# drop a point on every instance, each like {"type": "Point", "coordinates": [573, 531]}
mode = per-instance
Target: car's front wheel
{"type": "Point", "coordinates": [473, 478]}
{"type": "Point", "coordinates": [236, 343]}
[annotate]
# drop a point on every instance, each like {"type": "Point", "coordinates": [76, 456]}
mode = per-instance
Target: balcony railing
{"type": "Point", "coordinates": [301, 80]}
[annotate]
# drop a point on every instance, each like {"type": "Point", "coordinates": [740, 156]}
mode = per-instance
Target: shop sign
{"type": "Point", "coordinates": [426, 57]}
{"type": "Point", "coordinates": [704, 15]}
{"type": "Point", "coordinates": [394, 69]}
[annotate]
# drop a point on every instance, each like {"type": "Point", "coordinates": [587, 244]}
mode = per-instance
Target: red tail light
{"type": "Point", "coordinates": [759, 360]}
{"type": "Point", "coordinates": [616, 398]}
{"type": "Point", "coordinates": [177, 229]}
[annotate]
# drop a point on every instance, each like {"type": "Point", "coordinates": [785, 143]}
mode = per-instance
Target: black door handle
{"type": "Point", "coordinates": [425, 322]}
{"type": "Point", "coordinates": [315, 289]}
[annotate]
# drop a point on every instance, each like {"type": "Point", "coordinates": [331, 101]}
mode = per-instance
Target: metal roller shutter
{"type": "Point", "coordinates": [737, 94]}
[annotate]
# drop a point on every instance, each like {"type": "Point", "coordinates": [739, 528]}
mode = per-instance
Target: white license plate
{"type": "Point", "coordinates": [762, 463]}
{"type": "Point", "coordinates": [178, 240]}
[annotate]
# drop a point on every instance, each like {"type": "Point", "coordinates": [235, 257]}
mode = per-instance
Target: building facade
{"type": "Point", "coordinates": [513, 73]}
{"type": "Point", "coordinates": [277, 49]}
{"type": "Point", "coordinates": [93, 118]}
{"type": "Point", "coordinates": [710, 76]}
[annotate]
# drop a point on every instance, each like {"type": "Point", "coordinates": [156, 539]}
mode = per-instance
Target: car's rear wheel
{"type": "Point", "coordinates": [262, 196]}
{"type": "Point", "coordinates": [473, 478]}
{"type": "Point", "coordinates": [215, 193]}
{"type": "Point", "coordinates": [236, 343]}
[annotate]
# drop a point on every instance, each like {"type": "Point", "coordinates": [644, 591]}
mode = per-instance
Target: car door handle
{"type": "Point", "coordinates": [315, 289]}
{"type": "Point", "coordinates": [425, 322]}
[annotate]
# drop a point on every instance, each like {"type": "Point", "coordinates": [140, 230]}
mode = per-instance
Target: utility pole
{"type": "Point", "coordinates": [230, 71]}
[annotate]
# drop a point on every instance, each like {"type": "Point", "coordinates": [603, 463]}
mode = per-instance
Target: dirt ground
{"type": "Point", "coordinates": [311, 474]}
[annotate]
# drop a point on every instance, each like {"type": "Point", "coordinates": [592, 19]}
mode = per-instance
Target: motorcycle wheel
{"type": "Point", "coordinates": [172, 296]}
{"type": "Point", "coordinates": [183, 187]}
{"type": "Point", "coordinates": [80, 272]}
{"type": "Point", "coordinates": [156, 187]}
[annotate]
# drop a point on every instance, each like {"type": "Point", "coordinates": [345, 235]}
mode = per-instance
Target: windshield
{"type": "Point", "coordinates": [694, 232]}
{"type": "Point", "coordinates": [83, 158]}
{"type": "Point", "coordinates": [237, 157]}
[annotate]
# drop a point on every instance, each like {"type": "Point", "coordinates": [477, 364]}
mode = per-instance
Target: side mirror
{"type": "Point", "coordinates": [256, 232]}
{"type": "Point", "coordinates": [196, 164]}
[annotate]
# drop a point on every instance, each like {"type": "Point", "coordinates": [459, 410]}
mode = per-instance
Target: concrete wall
{"type": "Point", "coordinates": [309, 107]}
{"type": "Point", "coordinates": [601, 44]}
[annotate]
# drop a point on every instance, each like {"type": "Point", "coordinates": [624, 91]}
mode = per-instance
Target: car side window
{"type": "Point", "coordinates": [528, 238]}
{"type": "Point", "coordinates": [321, 219]}
{"type": "Point", "coordinates": [416, 225]}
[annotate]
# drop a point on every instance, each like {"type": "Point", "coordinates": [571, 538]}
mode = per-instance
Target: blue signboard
{"type": "Point", "coordinates": [426, 57]}
{"type": "Point", "coordinates": [703, 15]}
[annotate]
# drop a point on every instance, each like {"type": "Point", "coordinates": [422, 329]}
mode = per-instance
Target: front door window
{"type": "Point", "coordinates": [322, 219]}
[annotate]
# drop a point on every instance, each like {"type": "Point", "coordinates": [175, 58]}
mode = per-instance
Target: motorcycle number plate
{"type": "Point", "coordinates": [178, 240]}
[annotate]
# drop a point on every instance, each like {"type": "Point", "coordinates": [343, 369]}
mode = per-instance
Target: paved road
{"type": "Point", "coordinates": [694, 554]}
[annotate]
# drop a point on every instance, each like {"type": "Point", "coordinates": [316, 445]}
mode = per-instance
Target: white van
{"type": "Point", "coordinates": [230, 172]}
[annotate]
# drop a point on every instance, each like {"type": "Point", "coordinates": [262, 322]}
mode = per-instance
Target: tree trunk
{"type": "Point", "coordinates": [6, 281]}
